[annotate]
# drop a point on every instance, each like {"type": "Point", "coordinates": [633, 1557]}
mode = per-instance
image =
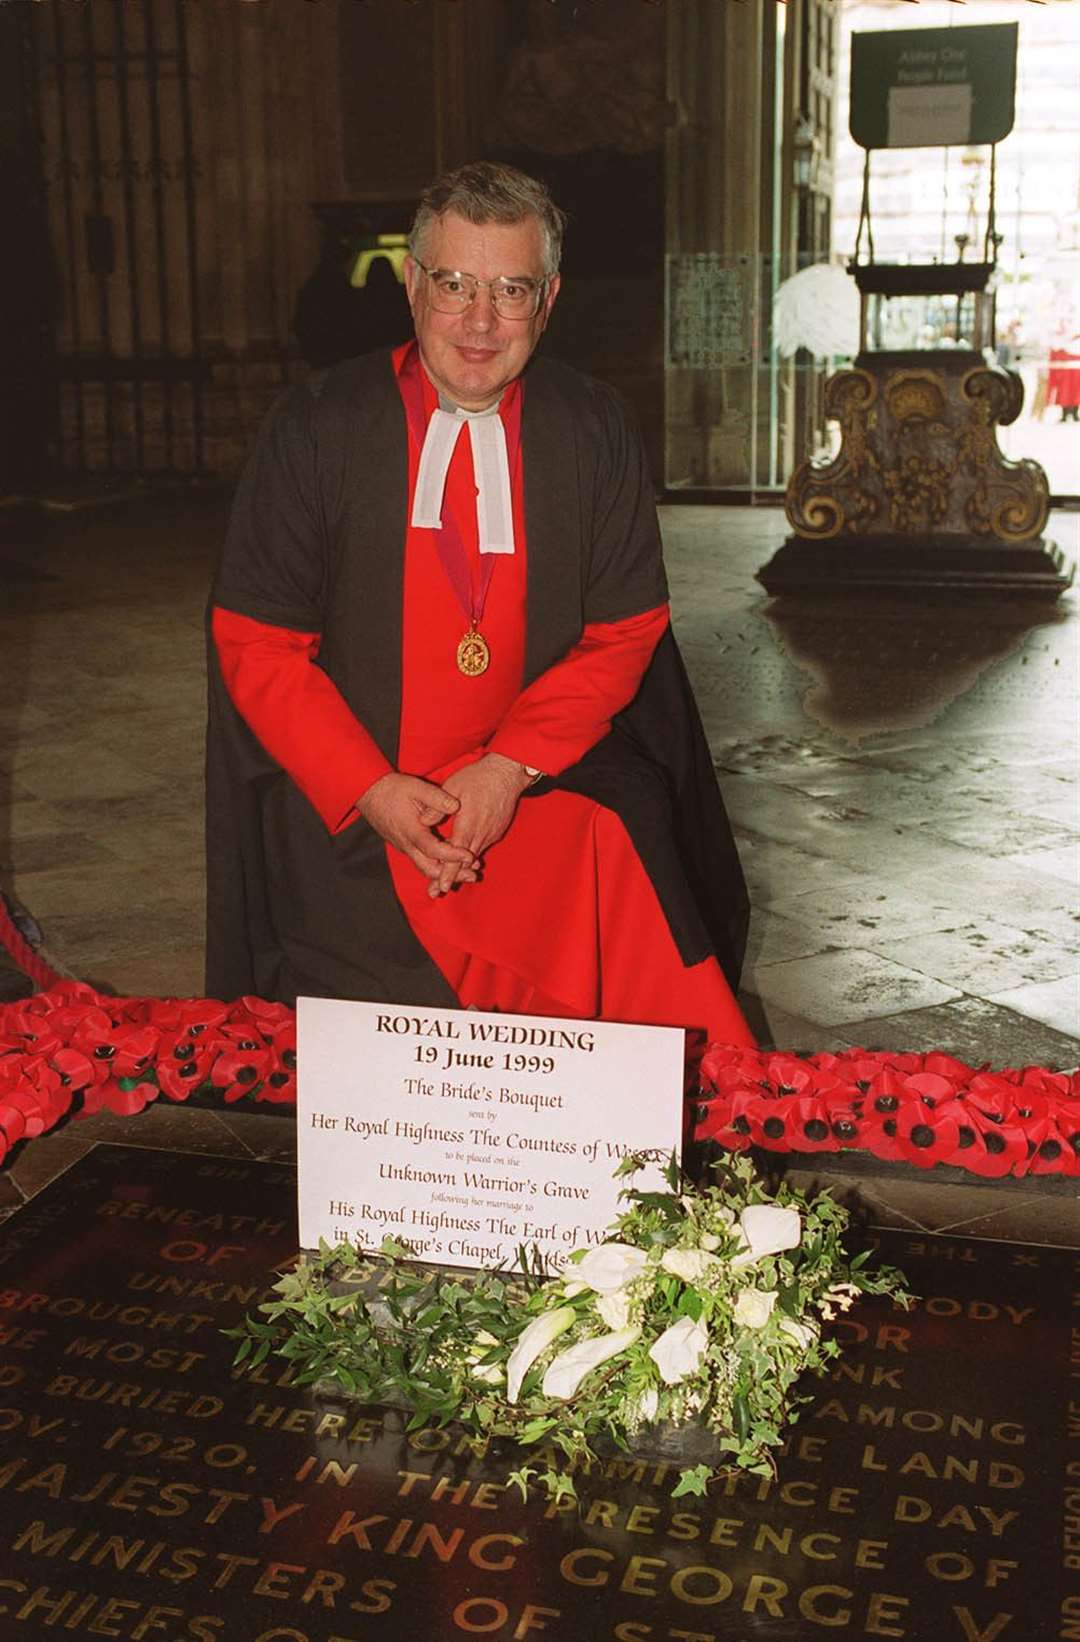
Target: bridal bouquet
{"type": "Point", "coordinates": [703, 1307]}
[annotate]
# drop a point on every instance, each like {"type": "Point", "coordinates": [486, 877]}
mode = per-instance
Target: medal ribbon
{"type": "Point", "coordinates": [448, 542]}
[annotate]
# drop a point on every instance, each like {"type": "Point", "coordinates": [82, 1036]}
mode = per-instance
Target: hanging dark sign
{"type": "Point", "coordinates": [930, 88]}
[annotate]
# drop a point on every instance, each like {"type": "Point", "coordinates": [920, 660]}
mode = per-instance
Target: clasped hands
{"type": "Point", "coordinates": [478, 800]}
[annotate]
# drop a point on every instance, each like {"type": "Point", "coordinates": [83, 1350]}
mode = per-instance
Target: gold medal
{"type": "Point", "coordinates": [473, 655]}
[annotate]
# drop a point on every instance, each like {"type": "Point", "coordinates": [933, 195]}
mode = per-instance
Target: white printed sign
{"type": "Point", "coordinates": [929, 116]}
{"type": "Point", "coordinates": [466, 1135]}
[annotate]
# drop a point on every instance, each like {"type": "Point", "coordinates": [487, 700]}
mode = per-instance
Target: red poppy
{"type": "Point", "coordinates": [1055, 1085]}
{"type": "Point", "coordinates": [947, 1066]}
{"type": "Point", "coordinates": [279, 1087]}
{"type": "Point", "coordinates": [747, 1115]}
{"type": "Point", "coordinates": [844, 1104]}
{"type": "Point", "coordinates": [1048, 1149]}
{"type": "Point", "coordinates": [125, 1102]}
{"type": "Point", "coordinates": [243, 1063]}
{"type": "Point", "coordinates": [268, 1017]}
{"type": "Point", "coordinates": [780, 1119]}
{"type": "Point", "coordinates": [925, 1136]}
{"type": "Point", "coordinates": [181, 1013]}
{"type": "Point", "coordinates": [32, 1099]}
{"type": "Point", "coordinates": [879, 1136]}
{"type": "Point", "coordinates": [929, 1087]}
{"type": "Point", "coordinates": [722, 1058]}
{"type": "Point", "coordinates": [998, 1146]}
{"type": "Point", "coordinates": [185, 1063]}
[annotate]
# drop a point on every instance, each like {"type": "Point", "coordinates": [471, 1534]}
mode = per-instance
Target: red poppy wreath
{"type": "Point", "coordinates": [71, 1051]}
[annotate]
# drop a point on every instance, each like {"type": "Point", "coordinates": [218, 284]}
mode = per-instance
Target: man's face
{"type": "Point", "coordinates": [472, 356]}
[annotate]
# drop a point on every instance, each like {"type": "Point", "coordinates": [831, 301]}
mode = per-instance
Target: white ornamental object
{"type": "Point", "coordinates": [817, 309]}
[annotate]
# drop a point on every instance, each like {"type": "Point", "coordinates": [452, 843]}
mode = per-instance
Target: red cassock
{"type": "Point", "coordinates": [565, 920]}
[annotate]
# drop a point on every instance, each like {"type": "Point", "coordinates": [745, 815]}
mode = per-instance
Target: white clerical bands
{"type": "Point", "coordinates": [491, 466]}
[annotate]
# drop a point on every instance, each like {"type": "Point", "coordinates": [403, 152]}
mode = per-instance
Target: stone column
{"type": "Point", "coordinates": [720, 86]}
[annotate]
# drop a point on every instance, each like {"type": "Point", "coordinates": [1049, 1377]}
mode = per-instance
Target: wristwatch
{"type": "Point", "coordinates": [533, 775]}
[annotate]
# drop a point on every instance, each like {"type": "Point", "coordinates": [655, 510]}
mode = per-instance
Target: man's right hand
{"type": "Point", "coordinates": [404, 810]}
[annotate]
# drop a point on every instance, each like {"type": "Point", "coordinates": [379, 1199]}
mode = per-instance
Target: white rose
{"type": "Point", "coordinates": [767, 1230]}
{"type": "Point", "coordinates": [753, 1308]}
{"type": "Point", "coordinates": [611, 1266]}
{"type": "Point", "coordinates": [614, 1309]}
{"type": "Point", "coordinates": [802, 1334]}
{"type": "Point", "coordinates": [689, 1264]}
{"type": "Point", "coordinates": [679, 1349]}
{"type": "Point", "coordinates": [531, 1342]}
{"type": "Point", "coordinates": [710, 1241]}
{"type": "Point", "coordinates": [566, 1371]}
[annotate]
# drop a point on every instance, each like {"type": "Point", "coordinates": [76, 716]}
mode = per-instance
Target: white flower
{"type": "Point", "coordinates": [753, 1308]}
{"type": "Point", "coordinates": [843, 1295]}
{"type": "Point", "coordinates": [614, 1309]}
{"type": "Point", "coordinates": [679, 1349]}
{"type": "Point", "coordinates": [719, 1217]}
{"type": "Point", "coordinates": [486, 1373]}
{"type": "Point", "coordinates": [802, 1334]}
{"type": "Point", "coordinates": [531, 1342]}
{"type": "Point", "coordinates": [566, 1371]}
{"type": "Point", "coordinates": [572, 1288]}
{"type": "Point", "coordinates": [648, 1403]}
{"type": "Point", "coordinates": [689, 1264]}
{"type": "Point", "coordinates": [611, 1266]}
{"type": "Point", "coordinates": [767, 1229]}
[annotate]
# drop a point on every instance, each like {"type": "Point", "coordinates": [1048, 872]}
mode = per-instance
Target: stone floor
{"type": "Point", "coordinates": [902, 775]}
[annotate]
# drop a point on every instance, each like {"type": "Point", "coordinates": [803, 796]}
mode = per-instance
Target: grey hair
{"type": "Point", "coordinates": [486, 191]}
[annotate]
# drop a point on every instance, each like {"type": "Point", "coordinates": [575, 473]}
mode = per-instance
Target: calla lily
{"type": "Point", "coordinates": [611, 1266]}
{"type": "Point", "coordinates": [679, 1349]}
{"type": "Point", "coordinates": [767, 1230]}
{"type": "Point", "coordinates": [532, 1341]}
{"type": "Point", "coordinates": [754, 1307]}
{"type": "Point", "coordinates": [566, 1371]}
{"type": "Point", "coordinates": [689, 1264]}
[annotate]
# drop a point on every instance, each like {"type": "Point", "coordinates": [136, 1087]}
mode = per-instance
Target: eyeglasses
{"type": "Point", "coordinates": [452, 292]}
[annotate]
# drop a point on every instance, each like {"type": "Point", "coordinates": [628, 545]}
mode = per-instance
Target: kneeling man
{"type": "Point", "coordinates": [453, 757]}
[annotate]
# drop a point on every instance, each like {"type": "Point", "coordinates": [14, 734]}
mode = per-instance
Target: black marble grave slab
{"type": "Point", "coordinates": [931, 1492]}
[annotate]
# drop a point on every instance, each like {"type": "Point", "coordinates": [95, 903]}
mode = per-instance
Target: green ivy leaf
{"type": "Point", "coordinates": [694, 1480]}
{"type": "Point", "coordinates": [691, 1304]}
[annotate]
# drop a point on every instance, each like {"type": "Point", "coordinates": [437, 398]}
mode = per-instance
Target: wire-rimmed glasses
{"type": "Point", "coordinates": [513, 297]}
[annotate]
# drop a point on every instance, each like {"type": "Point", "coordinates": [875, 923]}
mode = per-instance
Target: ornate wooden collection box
{"type": "Point", "coordinates": [919, 495]}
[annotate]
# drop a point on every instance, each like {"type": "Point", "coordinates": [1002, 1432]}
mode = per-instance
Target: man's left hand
{"type": "Point", "coordinates": [488, 792]}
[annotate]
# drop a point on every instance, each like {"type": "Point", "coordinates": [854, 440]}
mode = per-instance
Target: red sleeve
{"type": "Point", "coordinates": [569, 708]}
{"type": "Point", "coordinates": [298, 714]}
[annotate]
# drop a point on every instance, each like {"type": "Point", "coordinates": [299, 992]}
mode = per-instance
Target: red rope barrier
{"type": "Point", "coordinates": [22, 953]}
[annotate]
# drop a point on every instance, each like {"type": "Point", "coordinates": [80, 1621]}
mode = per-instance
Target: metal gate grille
{"type": "Point", "coordinates": [113, 89]}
